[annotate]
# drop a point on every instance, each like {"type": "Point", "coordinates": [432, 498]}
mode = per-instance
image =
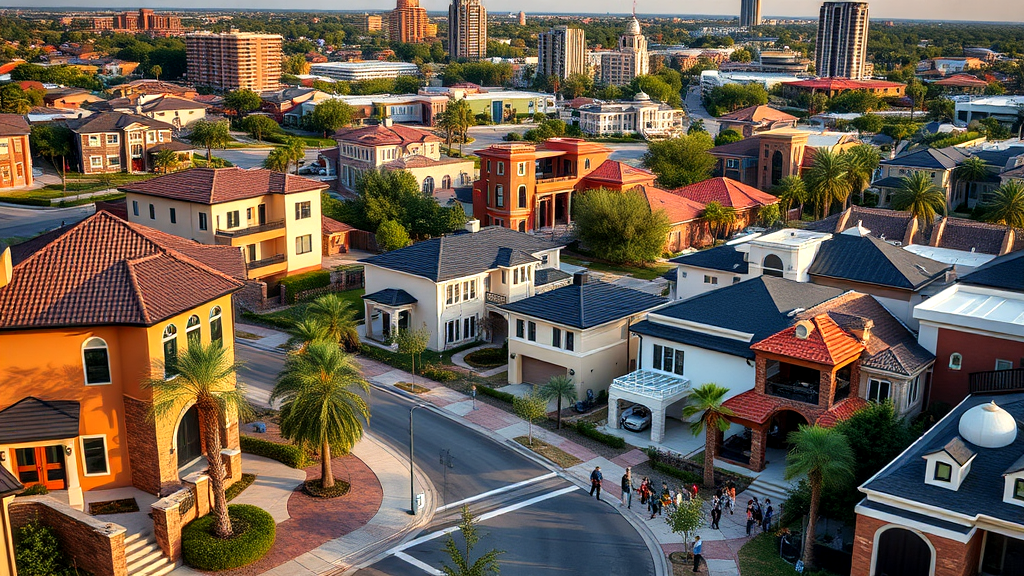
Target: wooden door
{"type": "Point", "coordinates": [42, 465]}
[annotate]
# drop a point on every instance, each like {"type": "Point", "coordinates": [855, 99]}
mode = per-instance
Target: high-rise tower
{"type": "Point", "coordinates": [842, 40]}
{"type": "Point", "coordinates": [408, 22]}
{"type": "Point", "coordinates": [561, 52]}
{"type": "Point", "coordinates": [750, 13]}
{"type": "Point", "coordinates": [467, 30]}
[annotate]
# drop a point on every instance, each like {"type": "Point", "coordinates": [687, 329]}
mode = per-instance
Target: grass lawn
{"type": "Point", "coordinates": [284, 319]}
{"type": "Point", "coordinates": [643, 273]}
{"type": "Point", "coordinates": [760, 557]}
{"type": "Point", "coordinates": [556, 455]}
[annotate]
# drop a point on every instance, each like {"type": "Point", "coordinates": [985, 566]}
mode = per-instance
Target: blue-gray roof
{"type": "Point", "coordinates": [698, 339]}
{"type": "Point", "coordinates": [916, 517]}
{"type": "Point", "coordinates": [587, 305]}
{"type": "Point", "coordinates": [391, 297]}
{"type": "Point", "coordinates": [1005, 272]}
{"type": "Point", "coordinates": [873, 261]}
{"type": "Point", "coordinates": [888, 182]}
{"type": "Point", "coordinates": [9, 484]}
{"type": "Point", "coordinates": [725, 258]}
{"type": "Point", "coordinates": [933, 158]}
{"type": "Point", "coordinates": [542, 276]}
{"type": "Point", "coordinates": [459, 255]}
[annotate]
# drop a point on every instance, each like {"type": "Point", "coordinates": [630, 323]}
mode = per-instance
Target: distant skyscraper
{"type": "Point", "coordinates": [408, 22]}
{"type": "Point", "coordinates": [467, 30]}
{"type": "Point", "coordinates": [750, 13]}
{"type": "Point", "coordinates": [842, 40]}
{"type": "Point", "coordinates": [522, 18]}
{"type": "Point", "coordinates": [629, 61]}
{"type": "Point", "coordinates": [561, 52]}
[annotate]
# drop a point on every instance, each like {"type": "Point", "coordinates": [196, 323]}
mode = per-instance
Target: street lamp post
{"type": "Point", "coordinates": [412, 476]}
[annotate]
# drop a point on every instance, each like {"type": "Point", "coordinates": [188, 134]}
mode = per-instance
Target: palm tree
{"type": "Point", "coordinates": [559, 387]}
{"type": "Point", "coordinates": [861, 162]}
{"type": "Point", "coordinates": [972, 170]}
{"type": "Point", "coordinates": [828, 180]}
{"type": "Point", "coordinates": [825, 456]}
{"type": "Point", "coordinates": [165, 160]}
{"type": "Point", "coordinates": [295, 149]}
{"type": "Point", "coordinates": [320, 402]}
{"type": "Point", "coordinates": [204, 376]}
{"type": "Point", "coordinates": [920, 196]}
{"type": "Point", "coordinates": [718, 217]}
{"type": "Point", "coordinates": [305, 332]}
{"type": "Point", "coordinates": [791, 190]}
{"type": "Point", "coordinates": [1006, 206]}
{"type": "Point", "coordinates": [706, 400]}
{"type": "Point", "coordinates": [338, 319]}
{"type": "Point", "coordinates": [277, 160]}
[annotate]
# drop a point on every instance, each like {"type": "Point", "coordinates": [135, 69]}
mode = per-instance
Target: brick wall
{"type": "Point", "coordinates": [154, 466]}
{"type": "Point", "coordinates": [94, 545]}
{"type": "Point", "coordinates": [176, 510]}
{"type": "Point", "coordinates": [951, 557]}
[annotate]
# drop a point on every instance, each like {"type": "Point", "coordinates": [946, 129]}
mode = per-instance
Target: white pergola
{"type": "Point", "coordinates": [655, 390]}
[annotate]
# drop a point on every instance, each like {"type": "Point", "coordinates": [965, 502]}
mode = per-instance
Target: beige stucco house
{"type": "Point", "coordinates": [273, 218]}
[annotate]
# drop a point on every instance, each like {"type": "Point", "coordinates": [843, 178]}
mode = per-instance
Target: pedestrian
{"type": "Point", "coordinates": [595, 481]}
{"type": "Point", "coordinates": [769, 512]}
{"type": "Point", "coordinates": [694, 490]}
{"type": "Point", "coordinates": [627, 488]}
{"type": "Point", "coordinates": [666, 498]}
{"type": "Point", "coordinates": [655, 506]}
{"type": "Point", "coordinates": [716, 511]}
{"type": "Point", "coordinates": [698, 548]}
{"type": "Point", "coordinates": [758, 513]}
{"type": "Point", "coordinates": [732, 497]}
{"type": "Point", "coordinates": [750, 516]}
{"type": "Point", "coordinates": [645, 492]}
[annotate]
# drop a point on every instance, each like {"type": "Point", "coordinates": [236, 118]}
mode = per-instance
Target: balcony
{"type": "Point", "coordinates": [997, 381]}
{"type": "Point", "coordinates": [495, 298]}
{"type": "Point", "coordinates": [264, 263]}
{"type": "Point", "coordinates": [797, 391]}
{"type": "Point", "coordinates": [237, 233]}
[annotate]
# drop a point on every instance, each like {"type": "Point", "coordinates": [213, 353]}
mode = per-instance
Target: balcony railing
{"type": "Point", "coordinates": [265, 262]}
{"type": "Point", "coordinates": [997, 381]}
{"type": "Point", "coordinates": [495, 298]}
{"type": "Point", "coordinates": [275, 225]}
{"type": "Point", "coordinates": [799, 391]}
{"type": "Point", "coordinates": [545, 180]}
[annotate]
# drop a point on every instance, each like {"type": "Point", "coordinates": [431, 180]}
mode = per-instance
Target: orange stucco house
{"type": "Point", "coordinates": [86, 313]}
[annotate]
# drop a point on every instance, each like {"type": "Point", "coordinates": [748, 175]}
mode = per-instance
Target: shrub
{"type": "Point", "coordinates": [488, 357]}
{"type": "Point", "coordinates": [438, 373]}
{"type": "Point", "coordinates": [488, 391]}
{"type": "Point", "coordinates": [589, 429]}
{"type": "Point", "coordinates": [254, 535]}
{"type": "Point", "coordinates": [302, 282]}
{"type": "Point", "coordinates": [287, 454]}
{"type": "Point", "coordinates": [687, 477]}
{"type": "Point", "coordinates": [235, 489]}
{"type": "Point", "coordinates": [37, 552]}
{"type": "Point", "coordinates": [35, 490]}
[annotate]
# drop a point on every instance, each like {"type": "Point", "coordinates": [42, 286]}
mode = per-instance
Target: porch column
{"type": "Point", "coordinates": [551, 210]}
{"type": "Point", "coordinates": [393, 317]}
{"type": "Point", "coordinates": [758, 444]}
{"type": "Point", "coordinates": [75, 498]}
{"type": "Point", "coordinates": [613, 409]}
{"type": "Point", "coordinates": [657, 424]}
{"type": "Point", "coordinates": [568, 208]}
{"type": "Point", "coordinates": [368, 318]}
{"type": "Point", "coordinates": [826, 389]}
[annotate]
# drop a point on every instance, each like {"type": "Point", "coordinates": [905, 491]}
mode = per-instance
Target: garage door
{"type": "Point", "coordinates": [539, 372]}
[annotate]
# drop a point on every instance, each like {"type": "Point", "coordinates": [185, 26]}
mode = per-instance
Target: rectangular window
{"type": "Point", "coordinates": [233, 219]}
{"type": "Point", "coordinates": [713, 280]}
{"type": "Point", "coordinates": [96, 161]}
{"type": "Point", "coordinates": [515, 276]}
{"type": "Point", "coordinates": [504, 276]}
{"type": "Point", "coordinates": [248, 214]}
{"type": "Point", "coordinates": [472, 290]}
{"type": "Point", "coordinates": [656, 357]}
{"type": "Point", "coordinates": [113, 161]}
{"type": "Point", "coordinates": [521, 169]}
{"type": "Point", "coordinates": [570, 345]}
{"type": "Point", "coordinates": [150, 137]}
{"type": "Point", "coordinates": [943, 471]}
{"type": "Point", "coordinates": [667, 356]}
{"type": "Point", "coordinates": [152, 212]}
{"type": "Point", "coordinates": [302, 210]}
{"type": "Point", "coordinates": [878, 390]}
{"type": "Point", "coordinates": [97, 366]}
{"type": "Point", "coordinates": [520, 328]}
{"type": "Point", "coordinates": [450, 294]}
{"type": "Point", "coordinates": [202, 221]}
{"type": "Point", "coordinates": [1004, 364]}
{"type": "Point", "coordinates": [531, 334]}
{"type": "Point", "coordinates": [499, 196]}
{"type": "Point", "coordinates": [488, 165]}
{"type": "Point", "coordinates": [111, 138]}
{"type": "Point", "coordinates": [556, 337]}
{"type": "Point", "coordinates": [216, 331]}
{"type": "Point", "coordinates": [94, 455]}
{"type": "Point", "coordinates": [469, 327]}
{"type": "Point", "coordinates": [1018, 489]}
{"type": "Point", "coordinates": [452, 331]}
{"type": "Point", "coordinates": [135, 207]}
{"type": "Point", "coordinates": [501, 168]}
{"type": "Point", "coordinates": [677, 368]}
{"type": "Point", "coordinates": [174, 216]}
{"type": "Point", "coordinates": [304, 244]}
{"type": "Point", "coordinates": [913, 391]}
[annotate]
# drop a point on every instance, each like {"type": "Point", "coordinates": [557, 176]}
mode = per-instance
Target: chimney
{"type": "Point", "coordinates": [580, 278]}
{"type": "Point", "coordinates": [862, 330]}
{"type": "Point", "coordinates": [472, 225]}
{"type": "Point", "coordinates": [6, 268]}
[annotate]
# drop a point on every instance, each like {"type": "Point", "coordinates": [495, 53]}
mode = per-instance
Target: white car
{"type": "Point", "coordinates": [636, 418]}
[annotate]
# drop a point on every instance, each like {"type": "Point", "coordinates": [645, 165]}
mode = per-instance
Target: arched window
{"type": "Point", "coordinates": [522, 196]}
{"type": "Point", "coordinates": [96, 361]}
{"type": "Point", "coordinates": [446, 182]}
{"type": "Point", "coordinates": [428, 185]}
{"type": "Point", "coordinates": [955, 361]}
{"type": "Point", "coordinates": [216, 329]}
{"type": "Point", "coordinates": [193, 334]}
{"type": "Point", "coordinates": [776, 167]}
{"type": "Point", "coordinates": [772, 265]}
{"type": "Point", "coordinates": [522, 225]}
{"type": "Point", "coordinates": [901, 551]}
{"type": "Point", "coordinates": [170, 351]}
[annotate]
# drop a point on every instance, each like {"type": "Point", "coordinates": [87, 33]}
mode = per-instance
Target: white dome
{"type": "Point", "coordinates": [641, 96]}
{"type": "Point", "coordinates": [633, 28]}
{"type": "Point", "coordinates": [988, 426]}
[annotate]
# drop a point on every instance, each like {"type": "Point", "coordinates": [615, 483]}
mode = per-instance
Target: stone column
{"type": "Point", "coordinates": [75, 498]}
{"type": "Point", "coordinates": [613, 409]}
{"type": "Point", "coordinates": [657, 424]}
{"type": "Point", "coordinates": [568, 208]}
{"type": "Point", "coordinates": [368, 317]}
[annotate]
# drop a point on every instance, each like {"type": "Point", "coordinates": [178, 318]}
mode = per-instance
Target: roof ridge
{"type": "Point", "coordinates": [181, 256]}
{"type": "Point", "coordinates": [137, 290]}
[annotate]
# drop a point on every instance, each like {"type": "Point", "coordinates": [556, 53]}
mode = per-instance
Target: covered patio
{"type": "Point", "coordinates": [655, 390]}
{"type": "Point", "coordinates": [387, 311]}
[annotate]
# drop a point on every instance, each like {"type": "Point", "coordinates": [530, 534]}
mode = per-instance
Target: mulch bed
{"type": "Point", "coordinates": [123, 506]}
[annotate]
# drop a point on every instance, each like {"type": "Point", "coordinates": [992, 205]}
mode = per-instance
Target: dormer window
{"type": "Point", "coordinates": [1018, 489]}
{"type": "Point", "coordinates": [948, 466]}
{"type": "Point", "coordinates": [943, 472]}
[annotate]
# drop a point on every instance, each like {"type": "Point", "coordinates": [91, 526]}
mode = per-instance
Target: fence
{"type": "Point", "coordinates": [362, 240]}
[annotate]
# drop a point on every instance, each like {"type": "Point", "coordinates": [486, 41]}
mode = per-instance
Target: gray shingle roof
{"type": "Point", "coordinates": [544, 276]}
{"type": "Point", "coordinates": [874, 261]}
{"type": "Point", "coordinates": [508, 257]}
{"type": "Point", "coordinates": [112, 122]}
{"type": "Point", "coordinates": [586, 306]}
{"type": "Point", "coordinates": [725, 258]}
{"type": "Point", "coordinates": [888, 182]}
{"type": "Point", "coordinates": [684, 336]}
{"type": "Point", "coordinates": [391, 297]}
{"type": "Point", "coordinates": [944, 159]}
{"type": "Point", "coordinates": [1005, 272]}
{"type": "Point", "coordinates": [459, 255]}
{"type": "Point", "coordinates": [31, 419]}
{"type": "Point", "coordinates": [8, 482]}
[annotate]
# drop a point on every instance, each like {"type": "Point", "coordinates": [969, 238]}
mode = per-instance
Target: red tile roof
{"type": "Point", "coordinates": [752, 406]}
{"type": "Point", "coordinates": [759, 114]}
{"type": "Point", "coordinates": [216, 185]}
{"type": "Point", "coordinates": [378, 135]}
{"type": "Point", "coordinates": [826, 343]}
{"type": "Point", "coordinates": [619, 172]}
{"type": "Point", "coordinates": [726, 192]}
{"type": "Point", "coordinates": [843, 84]}
{"type": "Point", "coordinates": [841, 411]}
{"type": "Point", "coordinates": [332, 226]}
{"type": "Point", "coordinates": [678, 208]}
{"type": "Point", "coordinates": [105, 270]}
{"type": "Point", "coordinates": [962, 80]}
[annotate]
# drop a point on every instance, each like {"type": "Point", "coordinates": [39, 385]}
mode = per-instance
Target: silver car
{"type": "Point", "coordinates": [636, 418]}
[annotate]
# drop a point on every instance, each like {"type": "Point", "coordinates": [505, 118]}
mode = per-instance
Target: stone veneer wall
{"type": "Point", "coordinates": [173, 512]}
{"type": "Point", "coordinates": [94, 545]}
{"type": "Point", "coordinates": [154, 467]}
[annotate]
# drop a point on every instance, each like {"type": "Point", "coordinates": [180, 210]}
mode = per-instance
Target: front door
{"type": "Point", "coordinates": [42, 465]}
{"type": "Point", "coordinates": [262, 211]}
{"type": "Point", "coordinates": [189, 445]}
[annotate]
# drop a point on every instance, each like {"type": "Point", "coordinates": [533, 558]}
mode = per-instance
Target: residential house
{"type": "Point", "coordinates": [273, 218]}
{"type": "Point", "coordinates": [767, 157]}
{"type": "Point", "coordinates": [15, 153]}
{"type": "Point", "coordinates": [685, 216]}
{"type": "Point", "coordinates": [936, 164]}
{"type": "Point", "coordinates": [580, 331]}
{"type": "Point", "coordinates": [455, 284]}
{"type": "Point", "coordinates": [745, 201]}
{"type": "Point", "coordinates": [756, 119]}
{"type": "Point", "coordinates": [974, 329]}
{"type": "Point", "coordinates": [117, 142]}
{"type": "Point", "coordinates": [962, 84]}
{"type": "Point", "coordinates": [335, 236]}
{"type": "Point", "coordinates": [69, 98]}
{"type": "Point", "coordinates": [136, 88]}
{"type": "Point", "coordinates": [397, 147]}
{"type": "Point", "coordinates": [951, 502]}
{"type": "Point", "coordinates": [178, 112]}
{"type": "Point", "coordinates": [277, 102]}
{"type": "Point", "coordinates": [1000, 159]}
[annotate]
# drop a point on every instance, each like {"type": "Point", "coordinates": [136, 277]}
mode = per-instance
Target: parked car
{"type": "Point", "coordinates": [636, 418]}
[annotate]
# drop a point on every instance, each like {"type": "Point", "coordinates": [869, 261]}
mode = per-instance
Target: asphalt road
{"type": "Point", "coordinates": [18, 222]}
{"type": "Point", "coordinates": [695, 109]}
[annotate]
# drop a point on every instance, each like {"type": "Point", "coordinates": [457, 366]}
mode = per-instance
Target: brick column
{"type": "Point", "coordinates": [232, 465]}
{"type": "Point", "coordinates": [760, 373]}
{"type": "Point", "coordinates": [826, 388]}
{"type": "Point", "coordinates": [758, 443]}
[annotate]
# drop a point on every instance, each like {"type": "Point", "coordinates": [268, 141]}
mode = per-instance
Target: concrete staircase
{"type": "Point", "coordinates": [764, 488]}
{"type": "Point", "coordinates": [144, 557]}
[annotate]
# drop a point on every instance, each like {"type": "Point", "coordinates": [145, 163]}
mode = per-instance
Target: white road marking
{"type": "Point", "coordinates": [508, 488]}
{"type": "Point", "coordinates": [419, 564]}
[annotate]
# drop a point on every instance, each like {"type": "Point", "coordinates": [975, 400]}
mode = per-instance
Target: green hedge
{"type": "Point", "coordinates": [685, 476]}
{"type": "Point", "coordinates": [302, 282]}
{"type": "Point", "coordinates": [504, 396]}
{"type": "Point", "coordinates": [254, 535]}
{"type": "Point", "coordinates": [285, 453]}
{"type": "Point", "coordinates": [589, 430]}
{"type": "Point", "coordinates": [26, 201]}
{"type": "Point", "coordinates": [439, 374]}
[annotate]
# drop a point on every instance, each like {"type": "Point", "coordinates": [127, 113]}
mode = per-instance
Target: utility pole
{"type": "Point", "coordinates": [412, 474]}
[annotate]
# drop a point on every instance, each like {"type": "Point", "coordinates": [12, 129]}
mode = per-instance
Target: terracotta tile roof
{"type": "Point", "coordinates": [841, 411]}
{"type": "Point", "coordinates": [13, 125]}
{"type": "Point", "coordinates": [826, 344]}
{"type": "Point", "coordinates": [378, 135]}
{"type": "Point", "coordinates": [216, 185]}
{"type": "Point", "coordinates": [843, 84]}
{"type": "Point", "coordinates": [619, 172]}
{"type": "Point", "coordinates": [332, 226]}
{"type": "Point", "coordinates": [105, 270]}
{"type": "Point", "coordinates": [758, 114]}
{"type": "Point", "coordinates": [752, 406]}
{"type": "Point", "coordinates": [726, 192]}
{"type": "Point", "coordinates": [962, 80]}
{"type": "Point", "coordinates": [678, 208]}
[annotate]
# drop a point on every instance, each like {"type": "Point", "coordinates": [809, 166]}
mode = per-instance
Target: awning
{"type": "Point", "coordinates": [391, 297]}
{"type": "Point", "coordinates": [32, 420]}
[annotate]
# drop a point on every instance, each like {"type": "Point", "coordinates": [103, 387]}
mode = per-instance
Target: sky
{"type": "Point", "coordinates": [982, 10]}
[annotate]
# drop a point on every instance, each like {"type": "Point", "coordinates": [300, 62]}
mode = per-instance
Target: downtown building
{"type": "Point", "coordinates": [561, 52]}
{"type": "Point", "coordinates": [620, 66]}
{"type": "Point", "coordinates": [467, 30]}
{"type": "Point", "coordinates": [408, 23]}
{"type": "Point", "coordinates": [234, 60]}
{"type": "Point", "coordinates": [750, 13]}
{"type": "Point", "coordinates": [842, 40]}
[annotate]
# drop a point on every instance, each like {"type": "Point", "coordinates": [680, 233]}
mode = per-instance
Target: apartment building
{"type": "Point", "coordinates": [408, 22]}
{"type": "Point", "coordinates": [118, 142]}
{"type": "Point", "coordinates": [619, 67]}
{"type": "Point", "coordinates": [467, 30]}
{"type": "Point", "coordinates": [842, 42]}
{"type": "Point", "coordinates": [561, 52]}
{"type": "Point", "coordinates": [371, 23]}
{"type": "Point", "coordinates": [15, 156]}
{"type": "Point", "coordinates": [273, 218]}
{"type": "Point", "coordinates": [750, 13]}
{"type": "Point", "coordinates": [234, 60]}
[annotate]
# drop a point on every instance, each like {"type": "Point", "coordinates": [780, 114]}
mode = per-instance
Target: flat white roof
{"type": "Point", "coordinates": [975, 307]}
{"type": "Point", "coordinates": [950, 256]}
{"type": "Point", "coordinates": [366, 65]}
{"type": "Point", "coordinates": [792, 237]}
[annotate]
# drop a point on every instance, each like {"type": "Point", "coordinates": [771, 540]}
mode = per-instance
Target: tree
{"type": "Point", "coordinates": [696, 126]}
{"type": "Point", "coordinates": [620, 226]}
{"type": "Point", "coordinates": [203, 376]}
{"type": "Point", "coordinates": [242, 101]}
{"type": "Point", "coordinates": [918, 195]}
{"type": "Point", "coordinates": [686, 519]}
{"type": "Point", "coordinates": [869, 123]}
{"type": "Point", "coordinates": [707, 401]}
{"type": "Point", "coordinates": [828, 181]}
{"type": "Point", "coordinates": [277, 160]}
{"type": "Point", "coordinates": [942, 109]}
{"type": "Point", "coordinates": [825, 457]}
{"type": "Point", "coordinates": [718, 218]}
{"type": "Point", "coordinates": [156, 70]}
{"type": "Point", "coordinates": [769, 215]}
{"type": "Point", "coordinates": [329, 116]}
{"type": "Point", "coordinates": [52, 140]}
{"type": "Point", "coordinates": [723, 99]}
{"type": "Point", "coordinates": [413, 343]}
{"type": "Point", "coordinates": [556, 388]}
{"type": "Point", "coordinates": [209, 134]}
{"type": "Point", "coordinates": [530, 407]}
{"type": "Point", "coordinates": [915, 91]}
{"type": "Point", "coordinates": [900, 131]}
{"type": "Point", "coordinates": [854, 101]}
{"type": "Point", "coordinates": [337, 317]}
{"type": "Point", "coordinates": [459, 118]}
{"type": "Point", "coordinates": [306, 331]}
{"type": "Point", "coordinates": [728, 136]}
{"type": "Point", "coordinates": [970, 171]}
{"type": "Point", "coordinates": [576, 85]}
{"type": "Point", "coordinates": [463, 565]}
{"type": "Point", "coordinates": [259, 126]}
{"type": "Point", "coordinates": [14, 100]}
{"type": "Point", "coordinates": [1006, 206]}
{"type": "Point", "coordinates": [320, 402]}
{"type": "Point", "coordinates": [790, 190]}
{"type": "Point", "coordinates": [680, 161]}
{"type": "Point", "coordinates": [391, 236]}
{"type": "Point", "coordinates": [861, 162]}
{"type": "Point", "coordinates": [741, 55]}
{"type": "Point", "coordinates": [165, 160]}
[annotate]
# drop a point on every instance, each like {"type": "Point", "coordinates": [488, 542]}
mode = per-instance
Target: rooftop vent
{"type": "Point", "coordinates": [804, 328]}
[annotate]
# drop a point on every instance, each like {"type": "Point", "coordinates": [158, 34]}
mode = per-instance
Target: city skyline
{"type": "Point", "coordinates": [937, 10]}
